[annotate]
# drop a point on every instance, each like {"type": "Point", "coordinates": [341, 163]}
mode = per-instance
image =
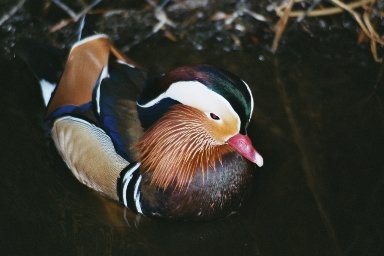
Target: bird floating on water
{"type": "Point", "coordinates": [174, 147]}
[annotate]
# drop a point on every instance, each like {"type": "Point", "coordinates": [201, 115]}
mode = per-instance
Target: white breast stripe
{"type": "Point", "coordinates": [197, 95]}
{"type": "Point", "coordinates": [136, 196]}
{"type": "Point", "coordinates": [126, 182]}
{"type": "Point", "coordinates": [125, 193]}
{"type": "Point", "coordinates": [126, 179]}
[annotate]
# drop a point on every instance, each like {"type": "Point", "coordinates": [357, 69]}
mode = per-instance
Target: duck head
{"type": "Point", "coordinates": [204, 114]}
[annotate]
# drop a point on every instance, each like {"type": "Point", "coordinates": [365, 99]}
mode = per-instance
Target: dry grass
{"type": "Point", "coordinates": [365, 13]}
{"type": "Point", "coordinates": [360, 10]}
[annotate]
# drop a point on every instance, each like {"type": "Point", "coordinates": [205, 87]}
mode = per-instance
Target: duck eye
{"type": "Point", "coordinates": [214, 117]}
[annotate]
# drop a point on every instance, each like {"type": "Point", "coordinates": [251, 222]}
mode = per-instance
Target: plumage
{"type": "Point", "coordinates": [179, 141]}
{"type": "Point", "coordinates": [172, 147]}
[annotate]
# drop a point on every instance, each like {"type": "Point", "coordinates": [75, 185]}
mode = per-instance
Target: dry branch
{"type": "Point", "coordinates": [284, 11]}
{"type": "Point", "coordinates": [12, 12]}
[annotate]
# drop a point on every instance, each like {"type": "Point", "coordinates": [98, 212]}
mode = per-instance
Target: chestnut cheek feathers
{"type": "Point", "coordinates": [243, 145]}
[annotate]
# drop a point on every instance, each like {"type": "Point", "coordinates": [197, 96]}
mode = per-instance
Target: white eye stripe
{"type": "Point", "coordinates": [197, 95]}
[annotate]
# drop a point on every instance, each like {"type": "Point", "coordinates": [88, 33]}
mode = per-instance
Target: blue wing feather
{"type": "Point", "coordinates": [117, 104]}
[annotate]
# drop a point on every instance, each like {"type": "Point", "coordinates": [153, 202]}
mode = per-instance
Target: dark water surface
{"type": "Point", "coordinates": [318, 122]}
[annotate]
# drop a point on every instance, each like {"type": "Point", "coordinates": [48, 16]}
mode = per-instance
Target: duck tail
{"type": "Point", "coordinates": [46, 63]}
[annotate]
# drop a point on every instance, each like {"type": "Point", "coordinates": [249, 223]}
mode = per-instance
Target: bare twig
{"type": "Point", "coordinates": [61, 24]}
{"type": "Point", "coordinates": [284, 11]}
{"type": "Point", "coordinates": [311, 8]}
{"type": "Point", "coordinates": [355, 15]}
{"type": "Point", "coordinates": [160, 15]}
{"type": "Point", "coordinates": [74, 16]}
{"type": "Point", "coordinates": [365, 26]}
{"type": "Point", "coordinates": [87, 9]}
{"type": "Point", "coordinates": [110, 13]}
{"type": "Point", "coordinates": [375, 37]}
{"type": "Point", "coordinates": [12, 12]}
{"type": "Point", "coordinates": [241, 10]}
{"type": "Point", "coordinates": [65, 8]}
{"type": "Point", "coordinates": [321, 12]}
{"type": "Point", "coordinates": [281, 24]}
{"type": "Point", "coordinates": [163, 19]}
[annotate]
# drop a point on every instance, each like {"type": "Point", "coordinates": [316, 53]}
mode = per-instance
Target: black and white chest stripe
{"type": "Point", "coordinates": [128, 187]}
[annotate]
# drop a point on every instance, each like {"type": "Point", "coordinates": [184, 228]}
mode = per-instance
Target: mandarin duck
{"type": "Point", "coordinates": [174, 147]}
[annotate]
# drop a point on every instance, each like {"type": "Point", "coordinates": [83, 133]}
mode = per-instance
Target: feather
{"type": "Point", "coordinates": [178, 146]}
{"type": "Point", "coordinates": [118, 113]}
